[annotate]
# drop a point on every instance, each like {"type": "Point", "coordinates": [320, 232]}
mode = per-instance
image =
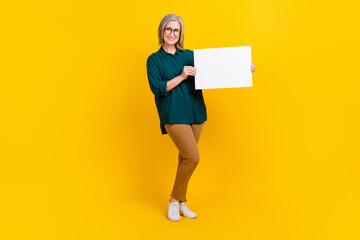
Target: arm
{"type": "Point", "coordinates": [174, 82]}
{"type": "Point", "coordinates": [187, 70]}
{"type": "Point", "coordinates": [157, 86]}
{"type": "Point", "coordinates": [161, 88]}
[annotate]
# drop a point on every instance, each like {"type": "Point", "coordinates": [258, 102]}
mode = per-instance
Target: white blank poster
{"type": "Point", "coordinates": [223, 67]}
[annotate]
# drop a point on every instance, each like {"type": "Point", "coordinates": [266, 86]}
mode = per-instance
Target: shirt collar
{"type": "Point", "coordinates": [165, 53]}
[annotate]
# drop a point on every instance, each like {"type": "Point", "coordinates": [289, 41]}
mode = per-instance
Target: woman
{"type": "Point", "coordinates": [181, 108]}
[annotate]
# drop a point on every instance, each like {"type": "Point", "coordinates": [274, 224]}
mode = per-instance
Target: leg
{"type": "Point", "coordinates": [196, 128]}
{"type": "Point", "coordinates": [183, 137]}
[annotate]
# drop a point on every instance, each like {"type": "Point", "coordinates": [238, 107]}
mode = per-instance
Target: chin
{"type": "Point", "coordinates": [170, 43]}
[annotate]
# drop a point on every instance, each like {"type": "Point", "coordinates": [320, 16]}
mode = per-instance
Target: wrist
{"type": "Point", "coordinates": [182, 77]}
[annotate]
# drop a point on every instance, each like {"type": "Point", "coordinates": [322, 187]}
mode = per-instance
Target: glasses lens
{"type": "Point", "coordinates": [175, 31]}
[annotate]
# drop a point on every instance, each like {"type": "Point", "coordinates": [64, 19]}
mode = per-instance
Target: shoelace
{"type": "Point", "coordinates": [175, 209]}
{"type": "Point", "coordinates": [185, 208]}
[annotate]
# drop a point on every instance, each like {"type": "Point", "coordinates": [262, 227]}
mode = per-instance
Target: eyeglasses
{"type": "Point", "coordinates": [170, 30]}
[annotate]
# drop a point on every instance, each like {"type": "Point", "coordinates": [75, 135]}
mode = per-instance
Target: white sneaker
{"type": "Point", "coordinates": [186, 212]}
{"type": "Point", "coordinates": [173, 211]}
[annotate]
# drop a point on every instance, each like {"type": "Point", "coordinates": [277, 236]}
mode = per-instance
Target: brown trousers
{"type": "Point", "coordinates": [186, 138]}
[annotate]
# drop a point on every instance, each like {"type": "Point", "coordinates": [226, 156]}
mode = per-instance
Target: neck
{"type": "Point", "coordinates": [169, 48]}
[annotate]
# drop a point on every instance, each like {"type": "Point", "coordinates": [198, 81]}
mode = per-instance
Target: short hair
{"type": "Point", "coordinates": [164, 22]}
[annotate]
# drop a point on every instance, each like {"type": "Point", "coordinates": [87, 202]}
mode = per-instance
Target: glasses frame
{"type": "Point", "coordinates": [172, 31]}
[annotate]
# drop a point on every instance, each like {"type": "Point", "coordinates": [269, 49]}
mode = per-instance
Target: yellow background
{"type": "Point", "coordinates": [82, 155]}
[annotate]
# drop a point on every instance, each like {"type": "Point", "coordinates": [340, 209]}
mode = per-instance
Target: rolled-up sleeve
{"type": "Point", "coordinates": [157, 86]}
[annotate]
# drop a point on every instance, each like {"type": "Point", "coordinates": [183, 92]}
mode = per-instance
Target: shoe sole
{"type": "Point", "coordinates": [181, 213]}
{"type": "Point", "coordinates": [174, 220]}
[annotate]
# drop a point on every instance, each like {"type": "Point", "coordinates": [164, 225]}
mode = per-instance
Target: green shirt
{"type": "Point", "coordinates": [183, 104]}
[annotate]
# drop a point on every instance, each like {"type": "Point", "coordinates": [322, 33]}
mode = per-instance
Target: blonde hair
{"type": "Point", "coordinates": [164, 22]}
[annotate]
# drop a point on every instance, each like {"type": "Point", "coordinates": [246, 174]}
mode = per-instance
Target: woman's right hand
{"type": "Point", "coordinates": [188, 70]}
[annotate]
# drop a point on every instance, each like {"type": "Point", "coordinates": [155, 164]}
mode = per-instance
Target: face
{"type": "Point", "coordinates": [171, 39]}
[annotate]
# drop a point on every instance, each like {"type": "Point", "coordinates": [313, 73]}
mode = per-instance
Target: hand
{"type": "Point", "coordinates": [188, 71]}
{"type": "Point", "coordinates": [252, 67]}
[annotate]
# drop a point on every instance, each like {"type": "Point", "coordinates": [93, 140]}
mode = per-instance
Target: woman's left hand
{"type": "Point", "coordinates": [252, 67]}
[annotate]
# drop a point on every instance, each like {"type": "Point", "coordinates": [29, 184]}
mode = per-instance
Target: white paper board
{"type": "Point", "coordinates": [223, 67]}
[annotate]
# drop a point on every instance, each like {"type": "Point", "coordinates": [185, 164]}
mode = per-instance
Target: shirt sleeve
{"type": "Point", "coordinates": [157, 86]}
